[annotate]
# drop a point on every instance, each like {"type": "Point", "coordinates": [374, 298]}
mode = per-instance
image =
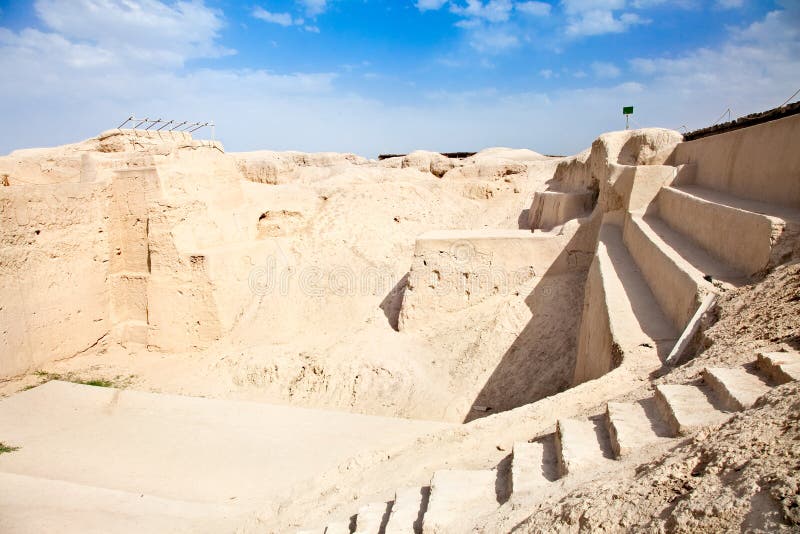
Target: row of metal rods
{"type": "Point", "coordinates": [184, 126]}
{"type": "Point", "coordinates": [729, 113]}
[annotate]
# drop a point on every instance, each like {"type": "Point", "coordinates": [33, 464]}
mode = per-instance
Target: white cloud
{"type": "Point", "coordinates": [282, 19]}
{"type": "Point", "coordinates": [59, 88]}
{"type": "Point", "coordinates": [487, 25]}
{"type": "Point", "coordinates": [598, 17]}
{"type": "Point", "coordinates": [778, 26]}
{"type": "Point", "coordinates": [582, 6]}
{"type": "Point", "coordinates": [671, 4]}
{"type": "Point", "coordinates": [493, 39]}
{"type": "Point", "coordinates": [602, 69]}
{"type": "Point", "coordinates": [491, 11]}
{"type": "Point", "coordinates": [748, 73]}
{"type": "Point", "coordinates": [430, 5]}
{"type": "Point", "coordinates": [536, 9]}
{"type": "Point", "coordinates": [29, 46]}
{"type": "Point", "coordinates": [313, 7]}
{"type": "Point", "coordinates": [546, 74]}
{"type": "Point", "coordinates": [147, 29]}
{"type": "Point", "coordinates": [71, 85]}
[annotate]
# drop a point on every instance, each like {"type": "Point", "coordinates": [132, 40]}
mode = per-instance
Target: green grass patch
{"type": "Point", "coordinates": [7, 448]}
{"type": "Point", "coordinates": [119, 381]}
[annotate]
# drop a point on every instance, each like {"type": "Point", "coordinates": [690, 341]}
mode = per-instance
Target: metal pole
{"type": "Point", "coordinates": [165, 125]}
{"type": "Point", "coordinates": [626, 121]}
{"type": "Point", "coordinates": [124, 123]}
{"type": "Point", "coordinates": [790, 98]}
{"type": "Point", "coordinates": [726, 112]}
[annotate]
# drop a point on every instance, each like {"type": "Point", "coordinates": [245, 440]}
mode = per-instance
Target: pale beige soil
{"type": "Point", "coordinates": [279, 278]}
{"type": "Point", "coordinates": [351, 225]}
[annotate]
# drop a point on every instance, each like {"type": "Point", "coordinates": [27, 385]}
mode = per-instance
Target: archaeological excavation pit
{"type": "Point", "coordinates": [421, 342]}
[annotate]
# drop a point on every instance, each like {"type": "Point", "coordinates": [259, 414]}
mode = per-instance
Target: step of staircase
{"type": "Point", "coordinates": [632, 426]}
{"type": "Point", "coordinates": [582, 445]}
{"type": "Point", "coordinates": [408, 509]}
{"type": "Point", "coordinates": [735, 388]}
{"type": "Point", "coordinates": [687, 408]}
{"type": "Point", "coordinates": [739, 231]}
{"type": "Point", "coordinates": [781, 367]}
{"type": "Point", "coordinates": [338, 527]}
{"type": "Point", "coordinates": [372, 518]}
{"type": "Point", "coordinates": [533, 465]}
{"type": "Point", "coordinates": [634, 314]}
{"type": "Point", "coordinates": [673, 266]}
{"type": "Point", "coordinates": [458, 498]}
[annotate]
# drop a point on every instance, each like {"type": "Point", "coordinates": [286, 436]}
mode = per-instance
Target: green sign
{"type": "Point", "coordinates": [627, 110]}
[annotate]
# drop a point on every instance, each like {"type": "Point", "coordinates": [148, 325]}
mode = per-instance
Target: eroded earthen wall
{"type": "Point", "coordinates": [761, 162]}
{"type": "Point", "coordinates": [54, 265]}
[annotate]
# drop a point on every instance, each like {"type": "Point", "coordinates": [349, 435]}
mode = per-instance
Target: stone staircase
{"type": "Point", "coordinates": [741, 232]}
{"type": "Point", "coordinates": [458, 499]}
{"type": "Point", "coordinates": [634, 315]}
{"type": "Point", "coordinates": [692, 241]}
{"type": "Point", "coordinates": [655, 266]}
{"type": "Point", "coordinates": [678, 272]}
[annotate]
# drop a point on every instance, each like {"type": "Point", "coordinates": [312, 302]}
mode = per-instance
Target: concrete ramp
{"type": "Point", "coordinates": [89, 452]}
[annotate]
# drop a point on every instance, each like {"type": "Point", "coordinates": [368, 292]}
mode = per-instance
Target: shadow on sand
{"type": "Point", "coordinates": [541, 360]}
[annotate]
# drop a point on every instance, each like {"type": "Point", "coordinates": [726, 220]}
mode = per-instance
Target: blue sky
{"type": "Point", "coordinates": [372, 76]}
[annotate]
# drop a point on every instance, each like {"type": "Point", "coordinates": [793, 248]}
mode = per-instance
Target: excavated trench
{"type": "Point", "coordinates": [304, 279]}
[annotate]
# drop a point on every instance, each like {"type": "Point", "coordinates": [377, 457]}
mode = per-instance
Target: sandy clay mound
{"type": "Point", "coordinates": [307, 259]}
{"type": "Point", "coordinates": [513, 303]}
